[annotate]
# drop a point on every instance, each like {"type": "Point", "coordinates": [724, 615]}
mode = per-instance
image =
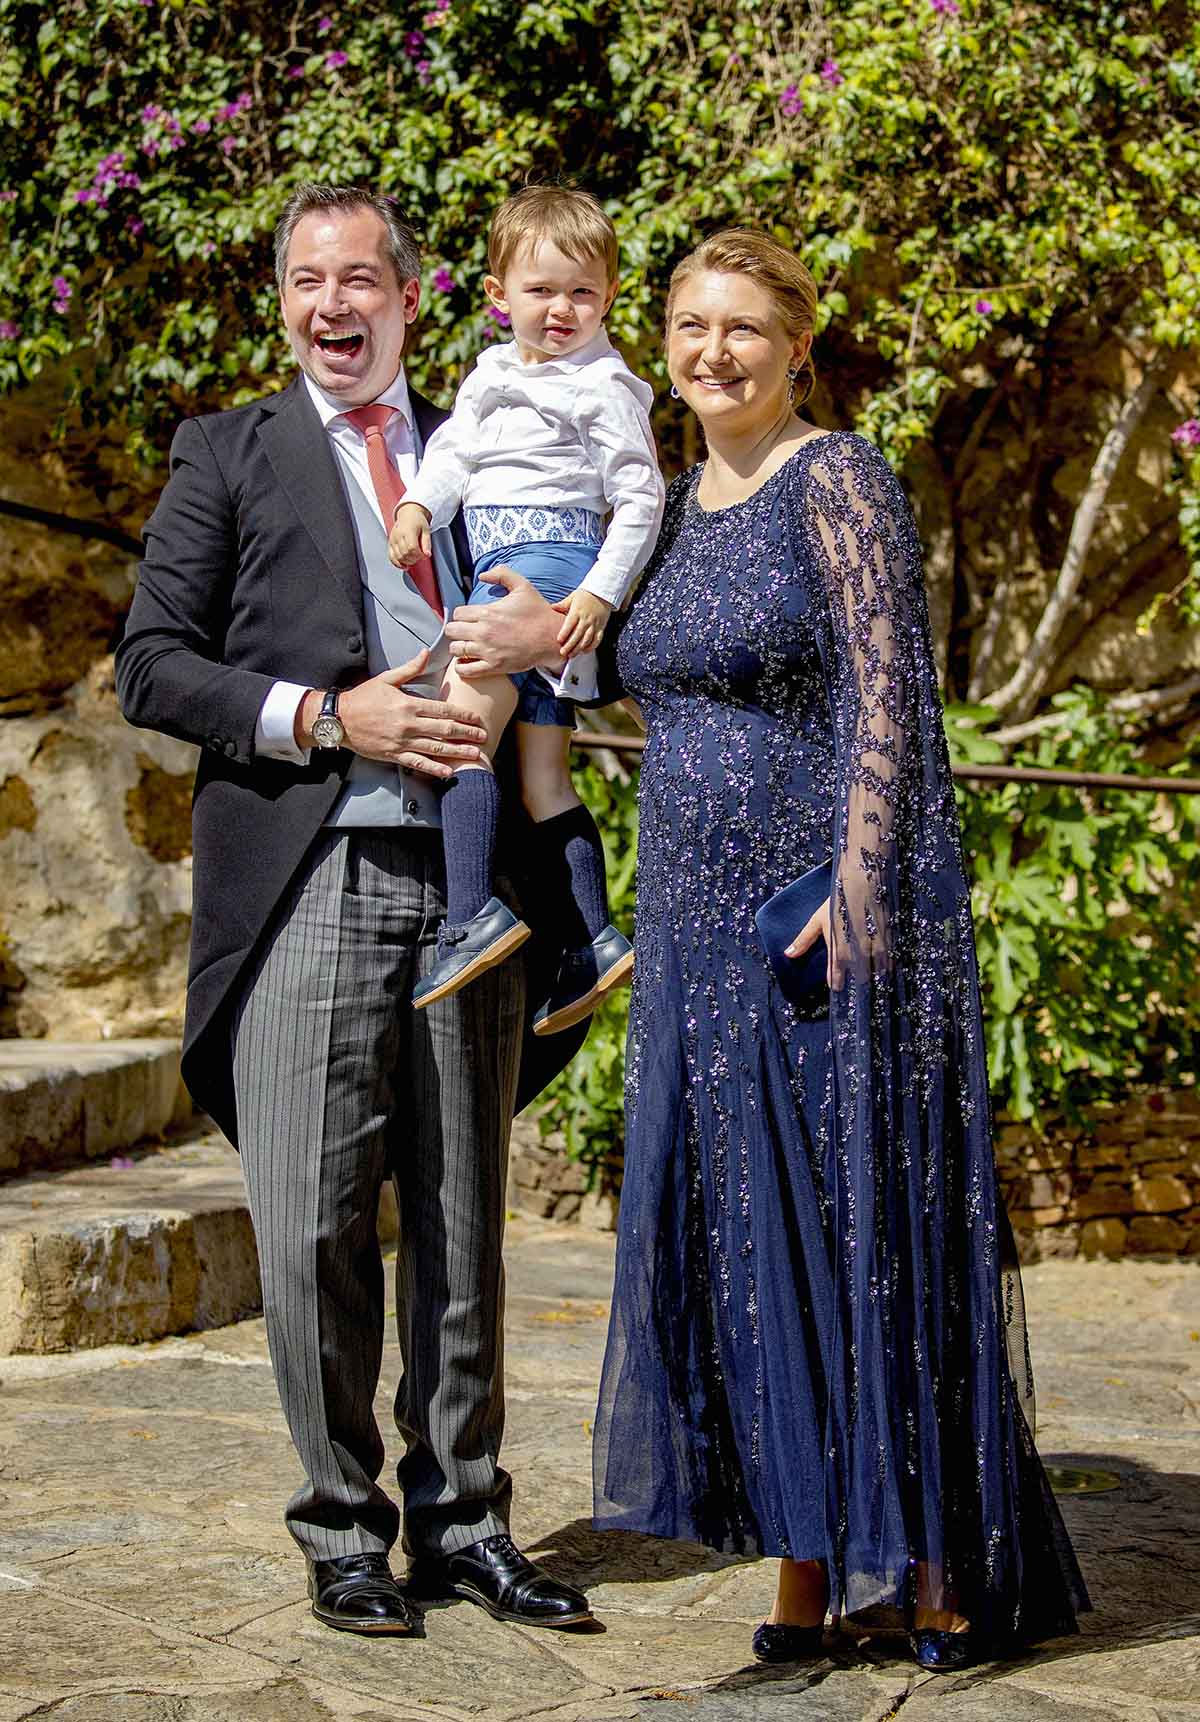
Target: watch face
{"type": "Point", "coordinates": [328, 731]}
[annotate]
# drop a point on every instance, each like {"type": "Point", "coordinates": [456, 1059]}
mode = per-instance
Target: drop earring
{"type": "Point", "coordinates": [674, 393]}
{"type": "Point", "coordinates": [791, 376]}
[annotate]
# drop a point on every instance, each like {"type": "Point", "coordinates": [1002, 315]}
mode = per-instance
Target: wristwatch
{"type": "Point", "coordinates": [328, 730]}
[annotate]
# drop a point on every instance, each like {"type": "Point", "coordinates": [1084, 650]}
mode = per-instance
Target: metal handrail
{"type": "Point", "coordinates": [617, 743]}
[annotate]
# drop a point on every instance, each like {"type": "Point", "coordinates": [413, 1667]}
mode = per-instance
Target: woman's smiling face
{"type": "Point", "coordinates": [728, 352]}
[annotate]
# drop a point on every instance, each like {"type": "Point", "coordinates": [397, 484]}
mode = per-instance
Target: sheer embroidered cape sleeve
{"type": "Point", "coordinates": [926, 1282]}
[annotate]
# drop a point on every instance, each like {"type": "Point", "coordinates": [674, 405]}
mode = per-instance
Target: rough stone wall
{"type": "Point", "coordinates": [95, 863]}
{"type": "Point", "coordinates": [1124, 1182]}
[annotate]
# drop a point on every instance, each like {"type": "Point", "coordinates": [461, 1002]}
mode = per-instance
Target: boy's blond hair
{"type": "Point", "coordinates": [572, 220]}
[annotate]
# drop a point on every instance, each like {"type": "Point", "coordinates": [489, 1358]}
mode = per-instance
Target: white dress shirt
{"type": "Point", "coordinates": [275, 731]}
{"type": "Point", "coordinates": [570, 432]}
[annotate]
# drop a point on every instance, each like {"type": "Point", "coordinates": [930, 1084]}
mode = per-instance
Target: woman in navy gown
{"type": "Point", "coordinates": [817, 1347]}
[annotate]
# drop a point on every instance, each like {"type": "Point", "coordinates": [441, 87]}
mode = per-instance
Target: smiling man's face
{"type": "Point", "coordinates": [345, 312]}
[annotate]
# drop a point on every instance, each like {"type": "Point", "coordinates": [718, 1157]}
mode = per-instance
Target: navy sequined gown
{"type": "Point", "coordinates": [815, 1305]}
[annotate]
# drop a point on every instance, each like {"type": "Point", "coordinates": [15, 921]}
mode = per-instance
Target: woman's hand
{"type": "Point", "coordinates": [816, 927]}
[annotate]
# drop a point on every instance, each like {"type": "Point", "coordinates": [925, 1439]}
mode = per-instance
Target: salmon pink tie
{"type": "Point", "coordinates": [389, 490]}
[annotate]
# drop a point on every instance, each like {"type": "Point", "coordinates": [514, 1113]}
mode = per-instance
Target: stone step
{"type": "Point", "coordinates": [140, 1247]}
{"type": "Point", "coordinates": [144, 1245]}
{"type": "Point", "coordinates": [64, 1101]}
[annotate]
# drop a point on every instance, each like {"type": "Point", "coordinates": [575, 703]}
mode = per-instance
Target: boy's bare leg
{"type": "Point", "coordinates": [544, 755]}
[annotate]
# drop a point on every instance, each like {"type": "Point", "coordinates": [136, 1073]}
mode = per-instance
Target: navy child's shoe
{"type": "Point", "coordinates": [466, 951]}
{"type": "Point", "coordinates": [584, 976]}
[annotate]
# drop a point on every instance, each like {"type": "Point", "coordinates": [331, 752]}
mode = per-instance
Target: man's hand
{"type": "Point", "coordinates": [410, 539]}
{"type": "Point", "coordinates": [587, 616]}
{"type": "Point", "coordinates": [507, 637]}
{"type": "Point", "coordinates": [383, 722]}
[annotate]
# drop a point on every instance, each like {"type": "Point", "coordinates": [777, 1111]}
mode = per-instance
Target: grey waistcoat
{"type": "Point", "coordinates": [398, 624]}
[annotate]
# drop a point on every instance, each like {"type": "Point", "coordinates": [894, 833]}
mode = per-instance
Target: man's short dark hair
{"type": "Point", "coordinates": [309, 195]}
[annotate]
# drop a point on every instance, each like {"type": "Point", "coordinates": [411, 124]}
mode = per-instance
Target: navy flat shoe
{"type": "Point", "coordinates": [773, 1643]}
{"type": "Point", "coordinates": [465, 952]}
{"type": "Point", "coordinates": [584, 976]}
{"type": "Point", "coordinates": [944, 1652]}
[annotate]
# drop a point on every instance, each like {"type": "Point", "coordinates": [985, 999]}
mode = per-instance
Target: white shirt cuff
{"type": "Point", "coordinates": [573, 680]}
{"type": "Point", "coordinates": [275, 730]}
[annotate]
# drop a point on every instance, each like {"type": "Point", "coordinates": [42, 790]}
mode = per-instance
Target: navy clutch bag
{"type": "Point", "coordinates": [801, 979]}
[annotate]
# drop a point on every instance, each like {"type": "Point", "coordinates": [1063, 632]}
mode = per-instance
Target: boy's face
{"type": "Point", "coordinates": [556, 303]}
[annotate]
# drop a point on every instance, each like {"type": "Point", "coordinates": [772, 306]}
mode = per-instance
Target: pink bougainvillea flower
{"type": "Point", "coordinates": [228, 145]}
{"type": "Point", "coordinates": [202, 126]}
{"type": "Point", "coordinates": [337, 57]}
{"type": "Point", "coordinates": [9, 331]}
{"type": "Point", "coordinates": [8, 197]}
{"type": "Point", "coordinates": [831, 74]}
{"type": "Point", "coordinates": [414, 44]}
{"type": "Point", "coordinates": [791, 101]}
{"type": "Point", "coordinates": [424, 71]}
{"type": "Point", "coordinates": [498, 316]}
{"type": "Point", "coordinates": [121, 1163]}
{"type": "Point", "coordinates": [984, 307]}
{"type": "Point", "coordinates": [134, 226]}
{"type": "Point", "coordinates": [150, 146]}
{"type": "Point", "coordinates": [949, 8]}
{"type": "Point", "coordinates": [207, 249]}
{"type": "Point", "coordinates": [443, 280]}
{"type": "Point", "coordinates": [325, 26]}
{"type": "Point", "coordinates": [1187, 434]}
{"type": "Point", "coordinates": [150, 112]}
{"type": "Point", "coordinates": [86, 196]}
{"type": "Point", "coordinates": [295, 71]}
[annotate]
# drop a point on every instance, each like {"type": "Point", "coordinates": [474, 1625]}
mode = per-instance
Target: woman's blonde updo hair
{"type": "Point", "coordinates": [742, 251]}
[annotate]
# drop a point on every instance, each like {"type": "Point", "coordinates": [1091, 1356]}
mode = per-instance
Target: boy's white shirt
{"type": "Point", "coordinates": [515, 439]}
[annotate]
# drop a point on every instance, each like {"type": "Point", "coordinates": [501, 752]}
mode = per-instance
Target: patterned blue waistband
{"type": "Point", "coordinates": [491, 528]}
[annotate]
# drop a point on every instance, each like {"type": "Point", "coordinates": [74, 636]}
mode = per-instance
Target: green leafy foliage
{"type": "Point", "coordinates": [1086, 907]}
{"type": "Point", "coordinates": [960, 176]}
{"type": "Point", "coordinates": [587, 1102]}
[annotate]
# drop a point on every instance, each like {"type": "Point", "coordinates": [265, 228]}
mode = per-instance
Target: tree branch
{"type": "Point", "coordinates": [1028, 679]}
{"type": "Point", "coordinates": [1134, 705]}
{"type": "Point", "coordinates": [91, 529]}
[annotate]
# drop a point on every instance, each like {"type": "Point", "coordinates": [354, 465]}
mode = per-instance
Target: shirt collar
{"type": "Point", "coordinates": [507, 357]}
{"type": "Point", "coordinates": [332, 411]}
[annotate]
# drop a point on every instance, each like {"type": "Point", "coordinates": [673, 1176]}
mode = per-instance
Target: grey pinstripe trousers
{"type": "Point", "coordinates": [340, 1084]}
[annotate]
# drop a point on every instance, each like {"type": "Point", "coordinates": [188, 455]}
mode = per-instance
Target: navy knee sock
{"type": "Point", "coordinates": [570, 863]}
{"type": "Point", "coordinates": [470, 811]}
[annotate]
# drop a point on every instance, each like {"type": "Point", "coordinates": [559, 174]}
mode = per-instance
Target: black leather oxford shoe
{"type": "Point", "coordinates": [496, 1575]}
{"type": "Point", "coordinates": [357, 1593]}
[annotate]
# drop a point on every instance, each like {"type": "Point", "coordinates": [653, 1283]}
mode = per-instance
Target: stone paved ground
{"type": "Point", "coordinates": [145, 1575]}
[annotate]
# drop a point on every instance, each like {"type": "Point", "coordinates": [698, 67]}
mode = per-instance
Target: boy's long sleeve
{"type": "Point", "coordinates": [448, 459]}
{"type": "Point", "coordinates": [616, 432]}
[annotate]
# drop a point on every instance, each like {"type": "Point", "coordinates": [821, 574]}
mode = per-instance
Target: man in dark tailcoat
{"type": "Point", "coordinates": [270, 628]}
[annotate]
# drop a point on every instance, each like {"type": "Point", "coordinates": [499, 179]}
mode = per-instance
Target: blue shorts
{"type": "Point", "coordinates": [555, 570]}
